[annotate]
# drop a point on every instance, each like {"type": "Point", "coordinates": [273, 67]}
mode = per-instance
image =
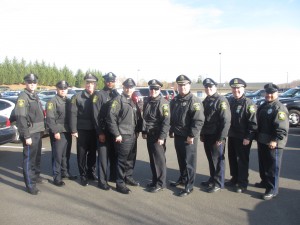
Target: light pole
{"type": "Point", "coordinates": [220, 68]}
{"type": "Point", "coordinates": [137, 77]}
{"type": "Point", "coordinates": [287, 79]}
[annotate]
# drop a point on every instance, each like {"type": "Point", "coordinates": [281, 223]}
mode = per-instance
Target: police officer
{"type": "Point", "coordinates": [82, 127]}
{"type": "Point", "coordinates": [214, 133]}
{"type": "Point", "coordinates": [60, 135]}
{"type": "Point", "coordinates": [105, 139]}
{"type": "Point", "coordinates": [124, 122]}
{"type": "Point", "coordinates": [241, 133]}
{"type": "Point", "coordinates": [187, 118]}
{"type": "Point", "coordinates": [272, 134]}
{"type": "Point", "coordinates": [30, 123]}
{"type": "Point", "coordinates": [156, 124]}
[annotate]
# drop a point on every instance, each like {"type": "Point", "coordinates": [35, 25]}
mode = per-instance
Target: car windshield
{"type": "Point", "coordinates": [289, 92]}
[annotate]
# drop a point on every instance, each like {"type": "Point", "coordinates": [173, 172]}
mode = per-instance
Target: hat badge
{"type": "Point", "coordinates": [181, 77]}
{"type": "Point", "coordinates": [235, 81]}
{"type": "Point", "coordinates": [153, 81]}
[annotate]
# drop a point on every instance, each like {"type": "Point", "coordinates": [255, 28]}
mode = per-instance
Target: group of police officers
{"type": "Point", "coordinates": [106, 125]}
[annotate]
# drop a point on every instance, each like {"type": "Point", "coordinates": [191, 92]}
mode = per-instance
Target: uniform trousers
{"type": "Point", "coordinates": [32, 160]}
{"type": "Point", "coordinates": [187, 160]}
{"type": "Point", "coordinates": [271, 165]}
{"type": "Point", "coordinates": [216, 159]}
{"type": "Point", "coordinates": [157, 160]}
{"type": "Point", "coordinates": [126, 157]}
{"type": "Point", "coordinates": [86, 152]}
{"type": "Point", "coordinates": [59, 154]}
{"type": "Point", "coordinates": [238, 156]}
{"type": "Point", "coordinates": [106, 159]}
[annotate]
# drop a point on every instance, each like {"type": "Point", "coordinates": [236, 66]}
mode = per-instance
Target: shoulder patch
{"type": "Point", "coordinates": [223, 105]}
{"type": "Point", "coordinates": [21, 103]}
{"type": "Point", "coordinates": [165, 108]}
{"type": "Point", "coordinates": [73, 101]}
{"type": "Point", "coordinates": [95, 98]}
{"type": "Point", "coordinates": [251, 108]}
{"type": "Point", "coordinates": [196, 106]}
{"type": "Point", "coordinates": [50, 106]}
{"type": "Point", "coordinates": [281, 115]}
{"type": "Point", "coordinates": [114, 104]}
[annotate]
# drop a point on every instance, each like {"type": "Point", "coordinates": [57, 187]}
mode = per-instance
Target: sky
{"type": "Point", "coordinates": [258, 41]}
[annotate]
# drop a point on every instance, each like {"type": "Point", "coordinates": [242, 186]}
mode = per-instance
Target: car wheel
{"type": "Point", "coordinates": [294, 117]}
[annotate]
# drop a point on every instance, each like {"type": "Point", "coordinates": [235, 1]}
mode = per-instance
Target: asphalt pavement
{"type": "Point", "coordinates": [74, 204]}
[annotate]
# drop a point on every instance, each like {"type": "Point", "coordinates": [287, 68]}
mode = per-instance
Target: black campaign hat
{"type": "Point", "coordinates": [183, 79]}
{"type": "Point", "coordinates": [237, 82]}
{"type": "Point", "coordinates": [31, 77]}
{"type": "Point", "coordinates": [90, 77]}
{"type": "Point", "coordinates": [271, 88]}
{"type": "Point", "coordinates": [110, 77]}
{"type": "Point", "coordinates": [154, 83]}
{"type": "Point", "coordinates": [62, 85]}
{"type": "Point", "coordinates": [209, 81]}
{"type": "Point", "coordinates": [129, 83]}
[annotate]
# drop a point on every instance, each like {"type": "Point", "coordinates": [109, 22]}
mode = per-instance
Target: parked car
{"type": "Point", "coordinates": [144, 91]}
{"type": "Point", "coordinates": [166, 94]}
{"type": "Point", "coordinates": [292, 92]}
{"type": "Point", "coordinates": [10, 93]}
{"type": "Point", "coordinates": [138, 98]}
{"type": "Point", "coordinates": [7, 132]}
{"type": "Point", "coordinates": [6, 107]}
{"type": "Point", "coordinates": [255, 96]}
{"type": "Point", "coordinates": [172, 93]}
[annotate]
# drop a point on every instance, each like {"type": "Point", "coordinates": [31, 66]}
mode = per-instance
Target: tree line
{"type": "Point", "coordinates": [12, 71]}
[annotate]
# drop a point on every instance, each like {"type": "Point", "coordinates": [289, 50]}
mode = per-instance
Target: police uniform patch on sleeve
{"type": "Point", "coordinates": [251, 108]}
{"type": "Point", "coordinates": [95, 98]}
{"type": "Point", "coordinates": [114, 104]}
{"type": "Point", "coordinates": [281, 115]}
{"type": "Point", "coordinates": [21, 103]}
{"type": "Point", "coordinates": [165, 109]}
{"type": "Point", "coordinates": [196, 106]}
{"type": "Point", "coordinates": [73, 101]}
{"type": "Point", "coordinates": [223, 105]}
{"type": "Point", "coordinates": [50, 106]}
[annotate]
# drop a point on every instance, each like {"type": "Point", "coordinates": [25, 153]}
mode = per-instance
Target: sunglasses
{"type": "Point", "coordinates": [31, 82]}
{"type": "Point", "coordinates": [208, 86]}
{"type": "Point", "coordinates": [154, 88]}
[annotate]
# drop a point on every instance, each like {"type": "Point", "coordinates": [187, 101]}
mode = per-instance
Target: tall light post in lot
{"type": "Point", "coordinates": [220, 70]}
{"type": "Point", "coordinates": [137, 77]}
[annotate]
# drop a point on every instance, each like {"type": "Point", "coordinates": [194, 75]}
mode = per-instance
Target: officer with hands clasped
{"type": "Point", "coordinates": [241, 133]}
{"type": "Point", "coordinates": [82, 127]}
{"type": "Point", "coordinates": [272, 135]}
{"type": "Point", "coordinates": [124, 121]}
{"type": "Point", "coordinates": [106, 153]}
{"type": "Point", "coordinates": [187, 118]}
{"type": "Point", "coordinates": [156, 119]}
{"type": "Point", "coordinates": [60, 135]}
{"type": "Point", "coordinates": [214, 133]}
{"type": "Point", "coordinates": [30, 122]}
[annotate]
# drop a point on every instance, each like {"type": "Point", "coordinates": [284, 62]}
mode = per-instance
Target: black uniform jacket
{"type": "Point", "coordinates": [81, 112]}
{"type": "Point", "coordinates": [100, 107]}
{"type": "Point", "coordinates": [156, 117]}
{"type": "Point", "coordinates": [217, 116]}
{"type": "Point", "coordinates": [273, 123]}
{"type": "Point", "coordinates": [243, 118]}
{"type": "Point", "coordinates": [187, 115]}
{"type": "Point", "coordinates": [57, 111]}
{"type": "Point", "coordinates": [29, 114]}
{"type": "Point", "coordinates": [123, 117]}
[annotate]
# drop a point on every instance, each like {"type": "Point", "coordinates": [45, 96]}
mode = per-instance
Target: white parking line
{"type": "Point", "coordinates": [8, 146]}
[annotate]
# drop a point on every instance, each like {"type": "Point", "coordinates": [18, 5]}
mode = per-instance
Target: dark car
{"type": "Point", "coordinates": [292, 92]}
{"type": "Point", "coordinates": [172, 93]}
{"type": "Point", "coordinates": [255, 96]}
{"type": "Point", "coordinates": [138, 98]}
{"type": "Point", "coordinates": [144, 91]}
{"type": "Point", "coordinates": [7, 132]}
{"type": "Point", "coordinates": [166, 94]}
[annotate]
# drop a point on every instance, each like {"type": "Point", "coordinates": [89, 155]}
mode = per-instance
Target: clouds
{"type": "Point", "coordinates": [161, 38]}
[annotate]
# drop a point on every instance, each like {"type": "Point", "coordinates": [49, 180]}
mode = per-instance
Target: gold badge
{"type": "Point", "coordinates": [223, 105]}
{"type": "Point", "coordinates": [50, 106]}
{"type": "Point", "coordinates": [196, 106]}
{"type": "Point", "coordinates": [281, 115]}
{"type": "Point", "coordinates": [165, 108]}
{"type": "Point", "coordinates": [251, 109]}
{"type": "Point", "coordinates": [95, 98]}
{"type": "Point", "coordinates": [21, 103]}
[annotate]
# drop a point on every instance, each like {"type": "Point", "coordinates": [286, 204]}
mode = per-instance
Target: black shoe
{"type": "Point", "coordinates": [269, 194]}
{"type": "Point", "coordinates": [230, 183]}
{"type": "Point", "coordinates": [132, 182]}
{"type": "Point", "coordinates": [206, 183]}
{"type": "Point", "coordinates": [186, 192]}
{"type": "Point", "coordinates": [175, 184]}
{"type": "Point", "coordinates": [58, 183]}
{"type": "Point", "coordinates": [151, 185]}
{"type": "Point", "coordinates": [84, 181]}
{"type": "Point", "coordinates": [156, 189]}
{"type": "Point", "coordinates": [69, 176]}
{"type": "Point", "coordinates": [104, 186]}
{"type": "Point", "coordinates": [41, 180]}
{"type": "Point", "coordinates": [240, 189]}
{"type": "Point", "coordinates": [213, 189]}
{"type": "Point", "coordinates": [33, 191]}
{"type": "Point", "coordinates": [92, 176]}
{"type": "Point", "coordinates": [260, 185]}
{"type": "Point", "coordinates": [123, 189]}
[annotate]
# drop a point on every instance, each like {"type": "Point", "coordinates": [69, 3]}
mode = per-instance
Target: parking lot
{"type": "Point", "coordinates": [74, 204]}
